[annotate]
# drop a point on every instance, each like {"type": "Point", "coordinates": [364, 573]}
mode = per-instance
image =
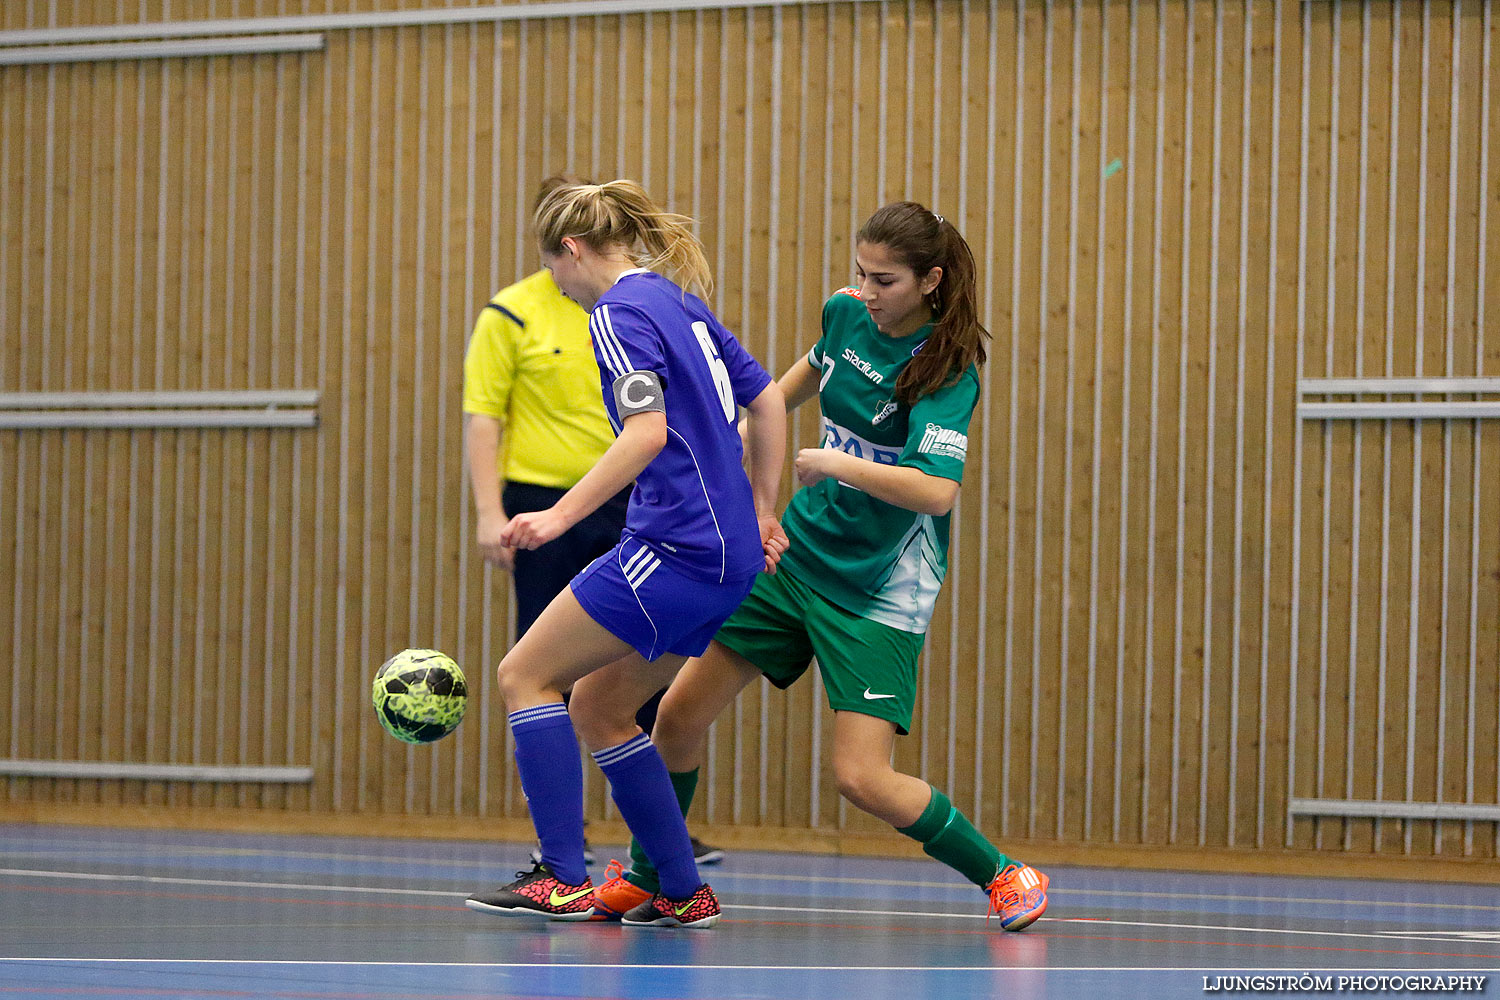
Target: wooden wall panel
{"type": "Point", "coordinates": [1172, 605]}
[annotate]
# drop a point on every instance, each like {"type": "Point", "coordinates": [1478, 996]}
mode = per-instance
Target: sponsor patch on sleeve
{"type": "Point", "coordinates": [638, 392]}
{"type": "Point", "coordinates": [943, 442]}
{"type": "Point", "coordinates": [850, 291]}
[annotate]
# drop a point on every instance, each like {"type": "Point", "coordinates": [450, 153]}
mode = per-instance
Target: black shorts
{"type": "Point", "coordinates": [542, 573]}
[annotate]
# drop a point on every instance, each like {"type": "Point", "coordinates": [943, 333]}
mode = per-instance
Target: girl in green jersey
{"type": "Point", "coordinates": [896, 376]}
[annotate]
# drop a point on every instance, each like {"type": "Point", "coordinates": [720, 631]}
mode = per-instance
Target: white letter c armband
{"type": "Point", "coordinates": [638, 392]}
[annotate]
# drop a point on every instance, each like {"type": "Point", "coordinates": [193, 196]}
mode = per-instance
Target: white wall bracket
{"type": "Point", "coordinates": [154, 772]}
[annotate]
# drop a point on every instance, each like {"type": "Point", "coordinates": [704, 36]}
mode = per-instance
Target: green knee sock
{"type": "Point", "coordinates": [947, 835]}
{"type": "Point", "coordinates": [642, 874]}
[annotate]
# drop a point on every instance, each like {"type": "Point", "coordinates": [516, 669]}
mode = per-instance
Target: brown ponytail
{"type": "Point", "coordinates": [922, 241]}
{"type": "Point", "coordinates": [620, 215]}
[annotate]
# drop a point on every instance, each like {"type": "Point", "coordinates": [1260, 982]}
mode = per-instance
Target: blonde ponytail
{"type": "Point", "coordinates": [620, 215]}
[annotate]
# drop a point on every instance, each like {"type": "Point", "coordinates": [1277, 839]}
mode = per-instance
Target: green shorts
{"type": "Point", "coordinates": [867, 667]}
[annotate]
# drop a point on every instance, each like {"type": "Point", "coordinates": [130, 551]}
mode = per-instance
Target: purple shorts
{"type": "Point", "coordinates": [641, 599]}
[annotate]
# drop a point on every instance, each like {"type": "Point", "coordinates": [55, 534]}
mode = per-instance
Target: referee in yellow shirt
{"type": "Point", "coordinates": [530, 376]}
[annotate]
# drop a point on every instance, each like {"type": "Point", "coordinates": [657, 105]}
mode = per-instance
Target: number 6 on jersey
{"type": "Point", "coordinates": [716, 367]}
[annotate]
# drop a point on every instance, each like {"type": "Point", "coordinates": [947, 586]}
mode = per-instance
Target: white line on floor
{"type": "Point", "coordinates": [724, 968]}
{"type": "Point", "coordinates": [1391, 935]}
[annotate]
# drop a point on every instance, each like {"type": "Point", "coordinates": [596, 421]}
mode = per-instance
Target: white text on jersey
{"type": "Point", "coordinates": [863, 366]}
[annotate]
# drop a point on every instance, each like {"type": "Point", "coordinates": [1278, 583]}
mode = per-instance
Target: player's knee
{"type": "Point", "coordinates": [512, 684]}
{"type": "Point", "coordinates": [601, 725]}
{"type": "Point", "coordinates": [859, 783]}
{"type": "Point", "coordinates": [674, 740]}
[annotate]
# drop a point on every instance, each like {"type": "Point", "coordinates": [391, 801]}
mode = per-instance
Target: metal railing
{"type": "Point", "coordinates": [185, 409]}
{"type": "Point", "coordinates": [1419, 409]}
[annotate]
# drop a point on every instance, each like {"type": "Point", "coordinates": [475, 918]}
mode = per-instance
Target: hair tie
{"type": "Point", "coordinates": [939, 218]}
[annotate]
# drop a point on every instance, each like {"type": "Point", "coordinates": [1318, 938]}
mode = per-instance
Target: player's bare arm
{"type": "Point", "coordinates": [799, 383]}
{"type": "Point", "coordinates": [900, 485]}
{"type": "Point", "coordinates": [765, 448]}
{"type": "Point", "coordinates": [641, 439]}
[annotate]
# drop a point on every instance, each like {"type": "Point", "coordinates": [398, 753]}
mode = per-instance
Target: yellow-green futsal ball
{"type": "Point", "coordinates": [420, 695]}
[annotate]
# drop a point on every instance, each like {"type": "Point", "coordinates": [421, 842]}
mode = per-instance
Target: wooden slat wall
{"type": "Point", "coordinates": [1393, 674]}
{"type": "Point", "coordinates": [1171, 607]}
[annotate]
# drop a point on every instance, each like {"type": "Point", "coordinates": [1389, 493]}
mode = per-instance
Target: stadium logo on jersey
{"type": "Point", "coordinates": [862, 366]}
{"type": "Point", "coordinates": [886, 409]}
{"type": "Point", "coordinates": [843, 439]}
{"type": "Point", "coordinates": [942, 441]}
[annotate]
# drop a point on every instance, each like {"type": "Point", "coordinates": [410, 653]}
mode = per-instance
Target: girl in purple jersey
{"type": "Point", "coordinates": [697, 533]}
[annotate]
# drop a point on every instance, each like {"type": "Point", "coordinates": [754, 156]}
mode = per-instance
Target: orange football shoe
{"type": "Point", "coordinates": [617, 896]}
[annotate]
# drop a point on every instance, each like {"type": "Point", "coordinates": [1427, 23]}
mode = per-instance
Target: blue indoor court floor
{"type": "Point", "coordinates": [128, 913]}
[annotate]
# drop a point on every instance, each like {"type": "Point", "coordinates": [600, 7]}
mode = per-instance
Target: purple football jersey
{"type": "Point", "coordinates": [692, 505]}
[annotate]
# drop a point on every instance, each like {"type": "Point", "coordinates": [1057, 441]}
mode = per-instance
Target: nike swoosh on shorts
{"type": "Point", "coordinates": [875, 697]}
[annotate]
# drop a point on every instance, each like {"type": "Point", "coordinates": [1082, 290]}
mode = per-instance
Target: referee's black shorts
{"type": "Point", "coordinates": [542, 573]}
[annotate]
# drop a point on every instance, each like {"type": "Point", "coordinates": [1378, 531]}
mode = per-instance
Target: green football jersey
{"type": "Point", "coordinates": [872, 558]}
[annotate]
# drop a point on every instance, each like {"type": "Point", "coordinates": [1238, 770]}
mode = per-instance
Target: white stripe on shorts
{"type": "Point", "coordinates": [619, 560]}
{"type": "Point", "coordinates": [641, 554]}
{"type": "Point", "coordinates": [640, 578]}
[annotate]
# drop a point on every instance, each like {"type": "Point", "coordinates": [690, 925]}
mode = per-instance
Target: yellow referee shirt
{"type": "Point", "coordinates": [530, 365]}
